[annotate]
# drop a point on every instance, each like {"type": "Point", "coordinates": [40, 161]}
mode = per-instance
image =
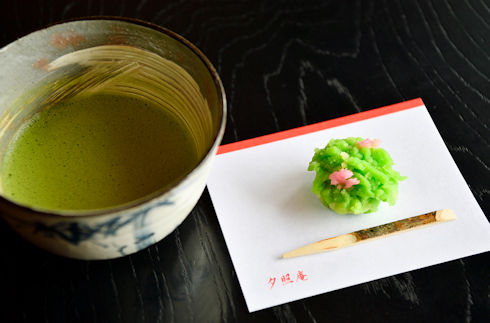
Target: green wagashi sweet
{"type": "Point", "coordinates": [353, 175]}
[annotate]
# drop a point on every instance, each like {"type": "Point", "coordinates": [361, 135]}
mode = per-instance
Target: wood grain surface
{"type": "Point", "coordinates": [284, 64]}
{"type": "Point", "coordinates": [369, 234]}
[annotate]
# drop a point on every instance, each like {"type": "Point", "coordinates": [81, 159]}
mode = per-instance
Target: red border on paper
{"type": "Point", "coordinates": [320, 126]}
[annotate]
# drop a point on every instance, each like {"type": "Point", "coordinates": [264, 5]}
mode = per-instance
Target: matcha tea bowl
{"type": "Point", "coordinates": [108, 128]}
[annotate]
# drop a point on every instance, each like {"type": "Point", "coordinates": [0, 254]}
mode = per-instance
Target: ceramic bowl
{"type": "Point", "coordinates": [33, 61]}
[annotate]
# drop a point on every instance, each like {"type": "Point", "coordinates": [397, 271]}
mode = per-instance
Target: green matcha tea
{"type": "Point", "coordinates": [96, 152]}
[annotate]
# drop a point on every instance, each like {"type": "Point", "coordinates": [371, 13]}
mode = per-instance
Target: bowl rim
{"type": "Point", "coordinates": [19, 209]}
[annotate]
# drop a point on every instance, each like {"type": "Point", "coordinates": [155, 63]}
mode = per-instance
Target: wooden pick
{"type": "Point", "coordinates": [377, 232]}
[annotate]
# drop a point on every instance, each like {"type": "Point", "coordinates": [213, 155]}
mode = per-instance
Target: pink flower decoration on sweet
{"type": "Point", "coordinates": [342, 179]}
{"type": "Point", "coordinates": [368, 143]}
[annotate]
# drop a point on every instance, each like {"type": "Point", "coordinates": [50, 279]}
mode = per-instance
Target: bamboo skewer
{"type": "Point", "coordinates": [380, 231]}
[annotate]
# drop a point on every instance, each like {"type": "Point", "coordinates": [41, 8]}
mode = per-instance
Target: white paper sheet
{"type": "Point", "coordinates": [263, 200]}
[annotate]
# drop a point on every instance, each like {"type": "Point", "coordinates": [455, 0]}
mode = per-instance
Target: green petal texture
{"type": "Point", "coordinates": [371, 166]}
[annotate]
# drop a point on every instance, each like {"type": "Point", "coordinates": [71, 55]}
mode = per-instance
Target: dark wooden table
{"type": "Point", "coordinates": [283, 64]}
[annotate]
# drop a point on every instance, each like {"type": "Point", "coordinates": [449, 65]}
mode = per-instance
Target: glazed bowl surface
{"type": "Point", "coordinates": [136, 57]}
